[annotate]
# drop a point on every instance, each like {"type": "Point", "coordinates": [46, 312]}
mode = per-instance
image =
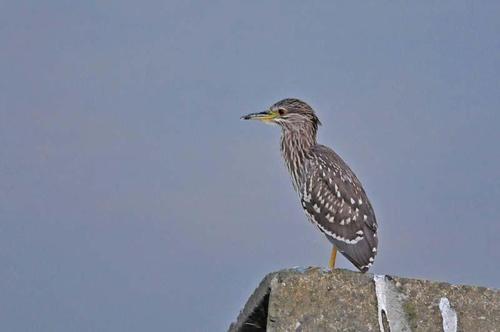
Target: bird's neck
{"type": "Point", "coordinates": [295, 146]}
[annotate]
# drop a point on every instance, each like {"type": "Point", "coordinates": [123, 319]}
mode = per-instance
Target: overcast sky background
{"type": "Point", "coordinates": [132, 198]}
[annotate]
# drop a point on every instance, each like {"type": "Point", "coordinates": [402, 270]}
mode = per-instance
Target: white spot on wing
{"type": "Point", "coordinates": [333, 235]}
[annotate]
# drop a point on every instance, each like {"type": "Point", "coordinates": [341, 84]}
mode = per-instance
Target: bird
{"type": "Point", "coordinates": [331, 195]}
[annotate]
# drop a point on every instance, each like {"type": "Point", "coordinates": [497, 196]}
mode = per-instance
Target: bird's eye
{"type": "Point", "coordinates": [281, 111]}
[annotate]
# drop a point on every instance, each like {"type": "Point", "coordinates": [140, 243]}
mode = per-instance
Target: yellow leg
{"type": "Point", "coordinates": [331, 263]}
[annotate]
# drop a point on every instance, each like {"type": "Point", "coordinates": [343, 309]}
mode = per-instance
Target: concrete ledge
{"type": "Point", "coordinates": [342, 300]}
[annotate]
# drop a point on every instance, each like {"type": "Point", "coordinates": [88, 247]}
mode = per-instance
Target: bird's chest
{"type": "Point", "coordinates": [295, 168]}
{"type": "Point", "coordinates": [294, 152]}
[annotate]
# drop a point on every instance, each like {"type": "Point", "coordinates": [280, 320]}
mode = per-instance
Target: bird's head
{"type": "Point", "coordinates": [291, 114]}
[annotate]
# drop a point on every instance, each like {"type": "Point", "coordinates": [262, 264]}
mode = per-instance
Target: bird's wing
{"type": "Point", "coordinates": [335, 201]}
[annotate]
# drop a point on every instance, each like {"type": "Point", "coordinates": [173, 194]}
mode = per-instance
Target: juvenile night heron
{"type": "Point", "coordinates": [331, 195]}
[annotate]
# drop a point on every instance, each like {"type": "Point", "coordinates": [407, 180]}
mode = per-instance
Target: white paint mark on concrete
{"type": "Point", "coordinates": [381, 300]}
{"type": "Point", "coordinates": [390, 302]}
{"type": "Point", "coordinates": [449, 315]}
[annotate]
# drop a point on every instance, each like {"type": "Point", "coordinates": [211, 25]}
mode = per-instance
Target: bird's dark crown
{"type": "Point", "coordinates": [293, 110]}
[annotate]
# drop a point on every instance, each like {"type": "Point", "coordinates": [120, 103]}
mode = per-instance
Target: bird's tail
{"type": "Point", "coordinates": [361, 254]}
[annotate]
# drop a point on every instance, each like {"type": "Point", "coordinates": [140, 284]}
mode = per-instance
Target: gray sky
{"type": "Point", "coordinates": [132, 198]}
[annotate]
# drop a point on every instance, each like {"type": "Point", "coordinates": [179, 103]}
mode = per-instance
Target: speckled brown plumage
{"type": "Point", "coordinates": [330, 193]}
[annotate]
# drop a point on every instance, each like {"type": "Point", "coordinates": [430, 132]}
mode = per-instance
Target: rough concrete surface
{"type": "Point", "coordinates": [342, 300]}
